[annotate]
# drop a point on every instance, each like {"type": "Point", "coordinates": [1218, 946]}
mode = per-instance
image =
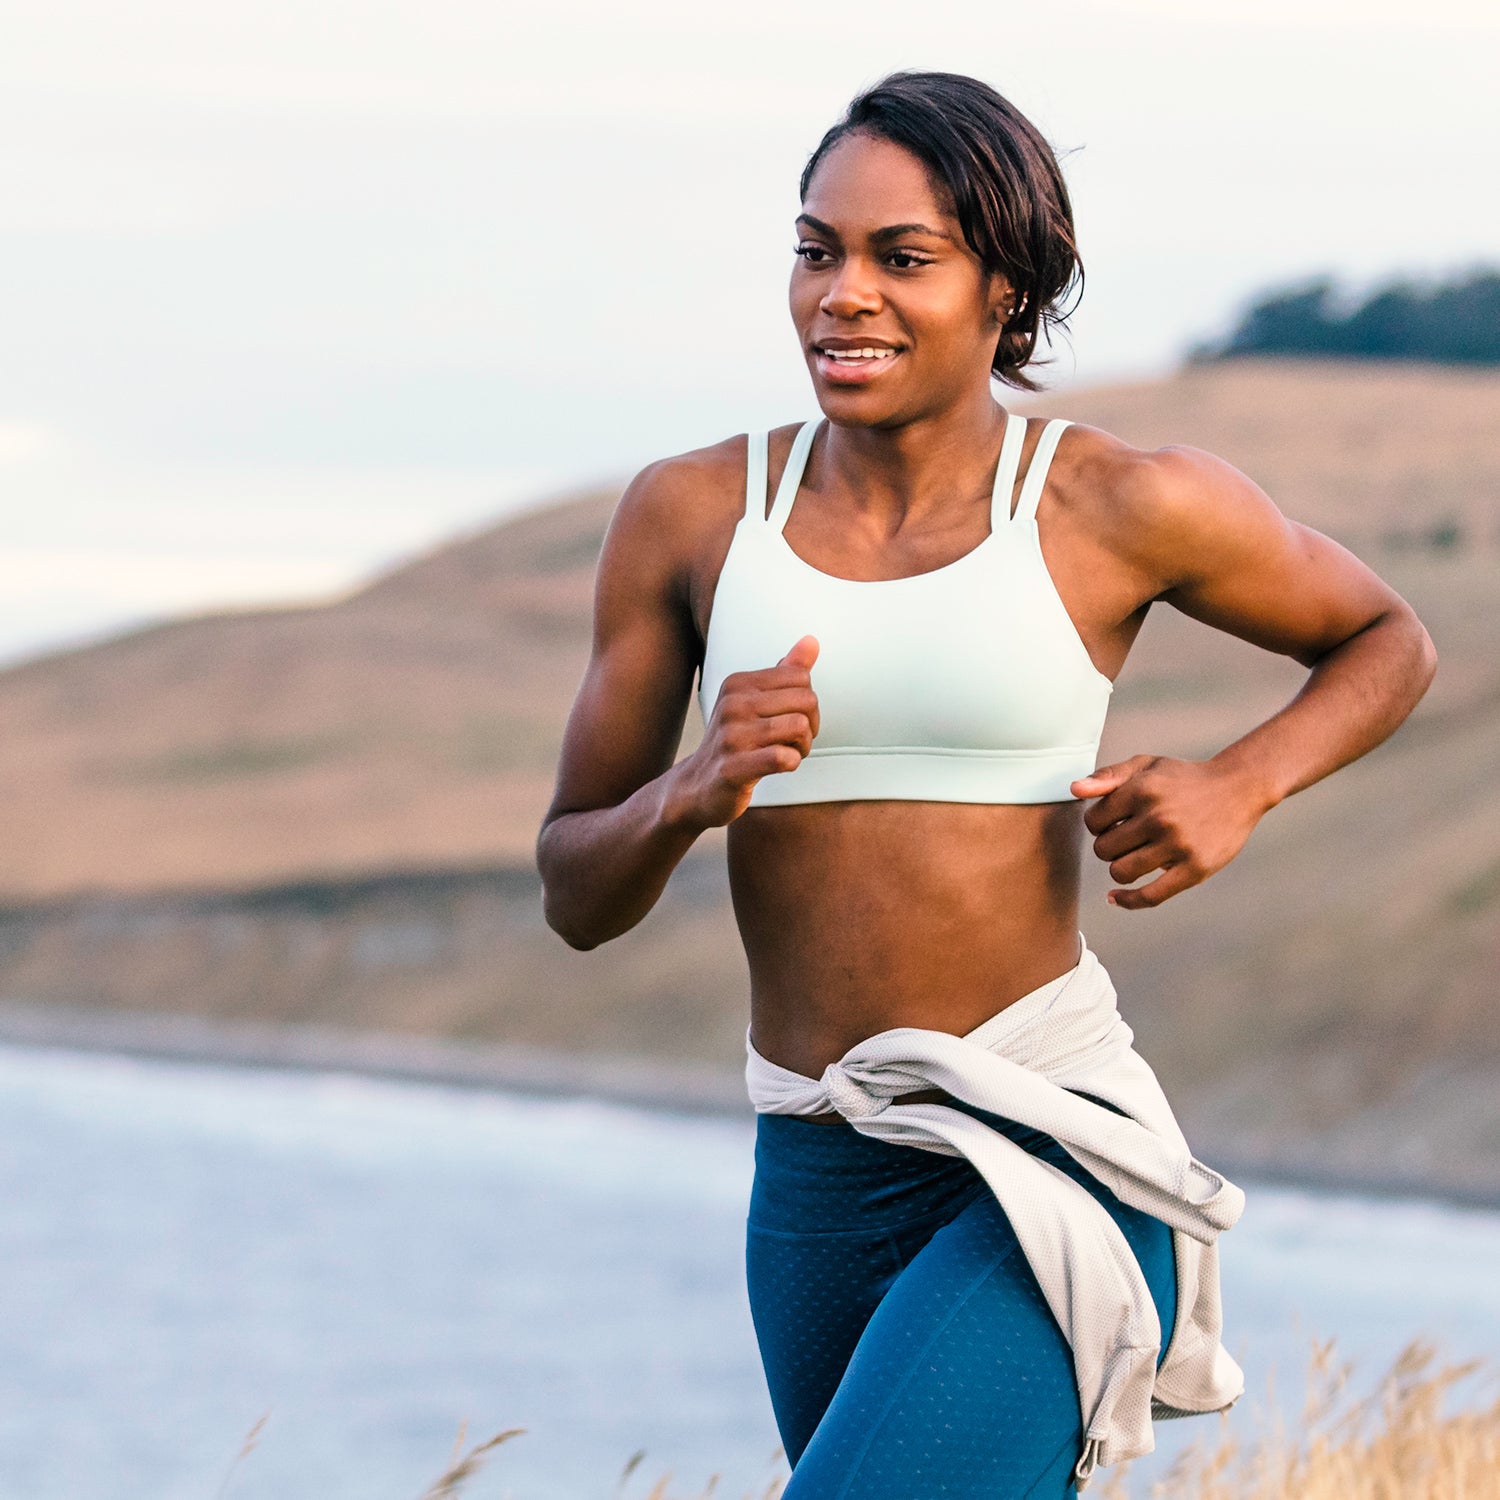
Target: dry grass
{"type": "Point", "coordinates": [1393, 1444]}
{"type": "Point", "coordinates": [1396, 1443]}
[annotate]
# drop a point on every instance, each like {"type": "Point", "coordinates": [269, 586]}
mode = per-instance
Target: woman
{"type": "Point", "coordinates": [904, 666]}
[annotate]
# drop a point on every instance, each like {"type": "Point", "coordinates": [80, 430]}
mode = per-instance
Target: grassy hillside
{"type": "Point", "coordinates": [1329, 998]}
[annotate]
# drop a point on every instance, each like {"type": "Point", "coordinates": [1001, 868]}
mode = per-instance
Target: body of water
{"type": "Point", "coordinates": [186, 1248]}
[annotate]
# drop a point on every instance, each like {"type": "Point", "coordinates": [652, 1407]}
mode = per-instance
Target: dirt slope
{"type": "Point", "coordinates": [185, 810]}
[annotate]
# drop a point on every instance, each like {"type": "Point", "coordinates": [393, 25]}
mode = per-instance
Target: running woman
{"type": "Point", "coordinates": [981, 1256]}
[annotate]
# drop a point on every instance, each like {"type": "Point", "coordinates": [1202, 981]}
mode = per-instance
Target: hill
{"type": "Point", "coordinates": [326, 815]}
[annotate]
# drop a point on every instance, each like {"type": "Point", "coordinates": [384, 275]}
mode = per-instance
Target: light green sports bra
{"type": "Point", "coordinates": [968, 683]}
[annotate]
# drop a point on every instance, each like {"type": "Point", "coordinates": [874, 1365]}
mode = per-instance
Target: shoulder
{"type": "Point", "coordinates": [688, 495]}
{"type": "Point", "coordinates": [675, 505]}
{"type": "Point", "coordinates": [1169, 511]}
{"type": "Point", "coordinates": [671, 527]}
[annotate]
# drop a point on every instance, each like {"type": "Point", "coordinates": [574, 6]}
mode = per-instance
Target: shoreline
{"type": "Point", "coordinates": [673, 1088]}
{"type": "Point", "coordinates": [680, 1088]}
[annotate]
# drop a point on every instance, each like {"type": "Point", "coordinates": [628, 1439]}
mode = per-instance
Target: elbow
{"type": "Point", "coordinates": [1425, 662]}
{"type": "Point", "coordinates": [575, 937]}
{"type": "Point", "coordinates": [557, 915]}
{"type": "Point", "coordinates": [1429, 657]}
{"type": "Point", "coordinates": [555, 910]}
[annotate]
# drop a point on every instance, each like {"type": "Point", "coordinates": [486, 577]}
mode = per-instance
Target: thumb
{"type": "Point", "coordinates": [1105, 779]}
{"type": "Point", "coordinates": [803, 654]}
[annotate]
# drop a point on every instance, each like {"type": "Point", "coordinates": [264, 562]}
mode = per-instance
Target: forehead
{"type": "Point", "coordinates": [865, 182]}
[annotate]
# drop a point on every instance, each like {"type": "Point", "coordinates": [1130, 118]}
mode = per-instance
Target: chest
{"type": "Point", "coordinates": [978, 654]}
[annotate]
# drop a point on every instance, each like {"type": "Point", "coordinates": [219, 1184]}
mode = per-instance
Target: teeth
{"type": "Point", "coordinates": [859, 353]}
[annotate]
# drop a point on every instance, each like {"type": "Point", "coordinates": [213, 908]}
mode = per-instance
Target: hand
{"type": "Point", "coordinates": [763, 722]}
{"type": "Point", "coordinates": [1186, 818]}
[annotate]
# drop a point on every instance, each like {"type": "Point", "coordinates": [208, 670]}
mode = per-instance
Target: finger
{"type": "Point", "coordinates": [1174, 879]}
{"type": "Point", "coordinates": [1115, 774]}
{"type": "Point", "coordinates": [749, 767]}
{"type": "Point", "coordinates": [1141, 861]}
{"type": "Point", "coordinates": [788, 729]}
{"type": "Point", "coordinates": [1111, 808]}
{"type": "Point", "coordinates": [788, 700]}
{"type": "Point", "coordinates": [769, 679]}
{"type": "Point", "coordinates": [1105, 779]}
{"type": "Point", "coordinates": [1133, 832]}
{"type": "Point", "coordinates": [803, 654]}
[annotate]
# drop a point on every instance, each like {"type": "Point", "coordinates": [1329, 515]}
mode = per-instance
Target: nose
{"type": "Point", "coordinates": [850, 290]}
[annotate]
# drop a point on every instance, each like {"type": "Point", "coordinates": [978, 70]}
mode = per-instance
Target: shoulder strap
{"type": "Point", "coordinates": [791, 476]}
{"type": "Point", "coordinates": [755, 477]}
{"type": "Point", "coordinates": [1036, 475]}
{"type": "Point", "coordinates": [1005, 471]}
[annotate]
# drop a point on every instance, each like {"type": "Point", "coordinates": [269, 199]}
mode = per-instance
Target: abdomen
{"type": "Point", "coordinates": [860, 916]}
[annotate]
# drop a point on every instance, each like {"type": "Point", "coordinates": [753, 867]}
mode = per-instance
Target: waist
{"type": "Point", "coordinates": [1053, 1020]}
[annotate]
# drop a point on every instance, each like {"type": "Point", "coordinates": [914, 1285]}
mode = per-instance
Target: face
{"type": "Point", "coordinates": [882, 264]}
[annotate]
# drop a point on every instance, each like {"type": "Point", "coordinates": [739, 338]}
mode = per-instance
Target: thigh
{"type": "Point", "coordinates": [811, 1295]}
{"type": "Point", "coordinates": [961, 1385]}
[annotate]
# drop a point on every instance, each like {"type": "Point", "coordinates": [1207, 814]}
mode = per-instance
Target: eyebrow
{"type": "Point", "coordinates": [890, 232]}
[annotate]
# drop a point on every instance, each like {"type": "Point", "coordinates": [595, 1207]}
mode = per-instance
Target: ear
{"type": "Point", "coordinates": [1002, 299]}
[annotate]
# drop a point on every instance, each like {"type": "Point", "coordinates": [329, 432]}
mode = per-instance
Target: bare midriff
{"type": "Point", "coordinates": [860, 916]}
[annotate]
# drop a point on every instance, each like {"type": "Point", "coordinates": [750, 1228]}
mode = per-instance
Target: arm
{"type": "Point", "coordinates": [622, 814]}
{"type": "Point", "coordinates": [1227, 556]}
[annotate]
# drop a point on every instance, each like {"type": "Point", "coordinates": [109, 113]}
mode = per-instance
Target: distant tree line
{"type": "Point", "coordinates": [1455, 322]}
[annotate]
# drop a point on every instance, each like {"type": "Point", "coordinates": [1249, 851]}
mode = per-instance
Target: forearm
{"type": "Point", "coordinates": [604, 868]}
{"type": "Point", "coordinates": [1354, 698]}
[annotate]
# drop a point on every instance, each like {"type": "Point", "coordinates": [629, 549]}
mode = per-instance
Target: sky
{"type": "Point", "coordinates": [296, 289]}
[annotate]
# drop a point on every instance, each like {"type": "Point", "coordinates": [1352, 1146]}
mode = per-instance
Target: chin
{"type": "Point", "coordinates": [856, 408]}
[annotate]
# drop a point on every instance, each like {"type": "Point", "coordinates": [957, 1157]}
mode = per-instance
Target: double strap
{"type": "Point", "coordinates": [758, 465]}
{"type": "Point", "coordinates": [1036, 473]}
{"type": "Point", "coordinates": [791, 475]}
{"type": "Point", "coordinates": [757, 468]}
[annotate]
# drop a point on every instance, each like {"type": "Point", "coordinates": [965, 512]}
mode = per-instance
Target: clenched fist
{"type": "Point", "coordinates": [1185, 818]}
{"type": "Point", "coordinates": [764, 721]}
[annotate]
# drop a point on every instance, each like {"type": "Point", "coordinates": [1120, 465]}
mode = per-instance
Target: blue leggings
{"type": "Point", "coordinates": [907, 1346]}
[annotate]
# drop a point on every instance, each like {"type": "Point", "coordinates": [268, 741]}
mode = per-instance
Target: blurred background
{"type": "Point", "coordinates": [331, 336]}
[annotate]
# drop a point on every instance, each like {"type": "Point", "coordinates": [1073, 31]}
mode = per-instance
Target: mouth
{"type": "Point", "coordinates": [854, 365]}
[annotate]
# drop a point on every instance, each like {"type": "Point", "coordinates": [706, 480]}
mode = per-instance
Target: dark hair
{"type": "Point", "coordinates": [1003, 184]}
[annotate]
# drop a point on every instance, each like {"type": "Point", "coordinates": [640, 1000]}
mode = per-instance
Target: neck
{"type": "Point", "coordinates": [918, 469]}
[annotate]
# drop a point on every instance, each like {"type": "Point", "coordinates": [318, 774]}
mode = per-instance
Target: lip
{"type": "Point", "coordinates": [849, 373]}
{"type": "Point", "coordinates": [839, 341]}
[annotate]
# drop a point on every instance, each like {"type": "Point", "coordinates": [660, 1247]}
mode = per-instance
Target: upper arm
{"type": "Point", "coordinates": [627, 719]}
{"type": "Point", "coordinates": [1226, 555]}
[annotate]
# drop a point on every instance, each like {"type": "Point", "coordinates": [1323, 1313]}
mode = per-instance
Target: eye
{"type": "Point", "coordinates": [807, 251]}
{"type": "Point", "coordinates": [914, 259]}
